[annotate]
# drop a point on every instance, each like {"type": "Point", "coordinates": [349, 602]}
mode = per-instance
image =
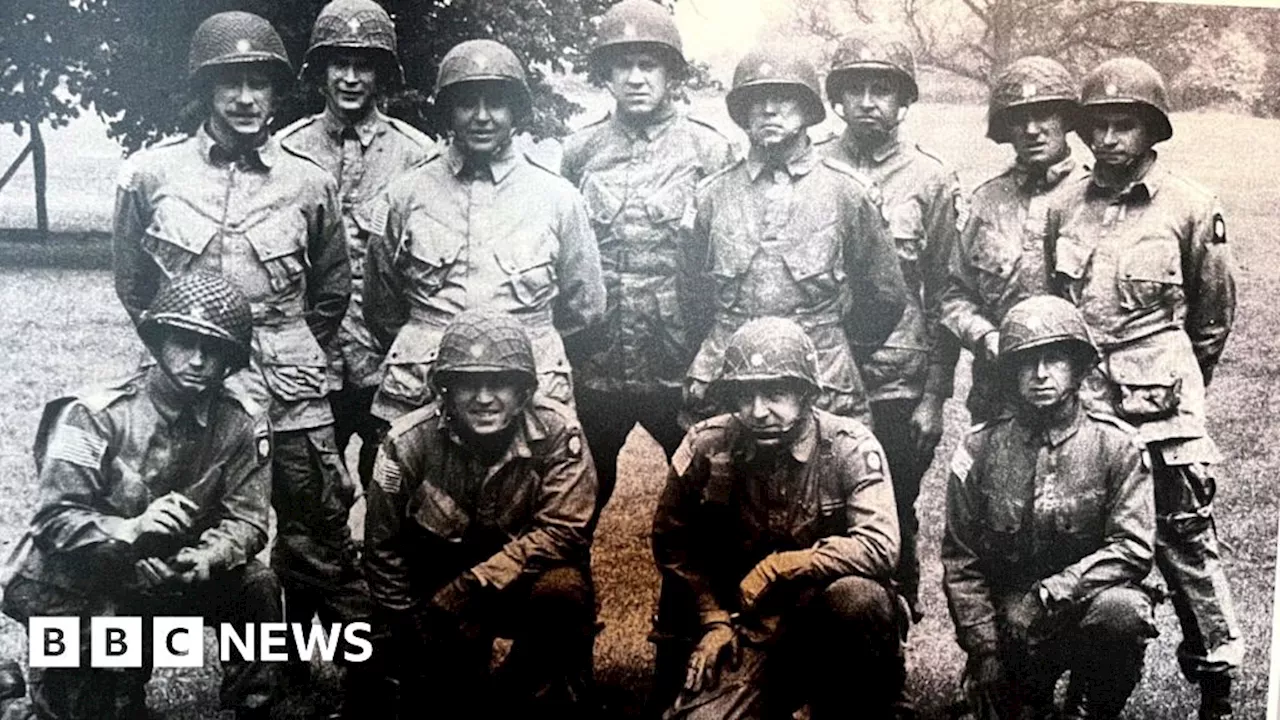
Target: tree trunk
{"type": "Point", "coordinates": [38, 167]}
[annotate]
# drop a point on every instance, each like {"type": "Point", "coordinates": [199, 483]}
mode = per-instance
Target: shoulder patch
{"type": "Point", "coordinates": [874, 461]}
{"type": "Point", "coordinates": [574, 445]}
{"type": "Point", "coordinates": [77, 446]}
{"type": "Point", "coordinates": [386, 473]}
{"type": "Point", "coordinates": [961, 463]}
{"type": "Point", "coordinates": [1219, 236]}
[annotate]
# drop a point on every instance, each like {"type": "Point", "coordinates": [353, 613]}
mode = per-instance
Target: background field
{"type": "Point", "coordinates": [64, 327]}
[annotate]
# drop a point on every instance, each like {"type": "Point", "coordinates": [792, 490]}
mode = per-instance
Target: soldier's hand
{"type": "Point", "coordinates": [153, 573]}
{"type": "Point", "coordinates": [926, 424]}
{"type": "Point", "coordinates": [990, 347]}
{"type": "Point", "coordinates": [773, 568]}
{"type": "Point", "coordinates": [1025, 615]}
{"type": "Point", "coordinates": [719, 644]}
{"type": "Point", "coordinates": [455, 597]}
{"type": "Point", "coordinates": [167, 515]}
{"type": "Point", "coordinates": [194, 564]}
{"type": "Point", "coordinates": [983, 684]}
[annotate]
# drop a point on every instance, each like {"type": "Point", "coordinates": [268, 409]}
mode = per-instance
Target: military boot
{"type": "Point", "coordinates": [1215, 698]}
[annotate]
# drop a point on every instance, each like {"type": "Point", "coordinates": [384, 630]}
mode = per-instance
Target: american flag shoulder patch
{"type": "Point", "coordinates": [386, 473]}
{"type": "Point", "coordinates": [76, 446]}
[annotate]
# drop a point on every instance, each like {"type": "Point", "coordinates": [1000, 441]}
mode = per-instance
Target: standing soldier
{"type": "Point", "coordinates": [153, 500]}
{"type": "Point", "coordinates": [788, 233]}
{"type": "Point", "coordinates": [479, 524]}
{"type": "Point", "coordinates": [637, 171]}
{"type": "Point", "coordinates": [1144, 255]}
{"type": "Point", "coordinates": [776, 537]}
{"type": "Point", "coordinates": [872, 83]}
{"type": "Point", "coordinates": [352, 61]}
{"type": "Point", "coordinates": [479, 226]}
{"type": "Point", "coordinates": [1000, 257]}
{"type": "Point", "coordinates": [1050, 526]}
{"type": "Point", "coordinates": [230, 200]}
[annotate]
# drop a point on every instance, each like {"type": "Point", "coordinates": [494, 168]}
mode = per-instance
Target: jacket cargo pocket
{"type": "Point", "coordinates": [1148, 383]}
{"type": "Point", "coordinates": [1148, 273]}
{"type": "Point", "coordinates": [293, 365]}
{"type": "Point", "coordinates": [434, 511]}
{"type": "Point", "coordinates": [280, 241]}
{"type": "Point", "coordinates": [408, 365]}
{"type": "Point", "coordinates": [532, 275]}
{"type": "Point", "coordinates": [432, 250]}
{"type": "Point", "coordinates": [1071, 256]}
{"type": "Point", "coordinates": [670, 203]}
{"type": "Point", "coordinates": [177, 234]}
{"type": "Point", "coordinates": [993, 264]}
{"type": "Point", "coordinates": [603, 204]}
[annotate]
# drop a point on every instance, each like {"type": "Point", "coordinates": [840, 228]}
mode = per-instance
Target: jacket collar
{"type": "Point", "coordinates": [801, 162]}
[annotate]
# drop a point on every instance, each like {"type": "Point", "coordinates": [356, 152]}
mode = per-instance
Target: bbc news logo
{"type": "Point", "coordinates": [116, 642]}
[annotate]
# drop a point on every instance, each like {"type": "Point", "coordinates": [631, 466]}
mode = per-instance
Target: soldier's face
{"type": "Point", "coordinates": [350, 82]}
{"type": "Point", "coordinates": [486, 403]}
{"type": "Point", "coordinates": [771, 411]}
{"type": "Point", "coordinates": [871, 104]}
{"type": "Point", "coordinates": [243, 101]}
{"type": "Point", "coordinates": [1039, 134]}
{"type": "Point", "coordinates": [193, 362]}
{"type": "Point", "coordinates": [1047, 376]}
{"type": "Point", "coordinates": [775, 117]}
{"type": "Point", "coordinates": [639, 82]}
{"type": "Point", "coordinates": [1118, 137]}
{"type": "Point", "coordinates": [482, 118]}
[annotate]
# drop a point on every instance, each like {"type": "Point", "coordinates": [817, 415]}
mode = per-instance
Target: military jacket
{"type": "Point", "coordinates": [725, 508]}
{"type": "Point", "coordinates": [920, 197]}
{"type": "Point", "coordinates": [271, 223]}
{"type": "Point", "coordinates": [363, 158]}
{"type": "Point", "coordinates": [999, 259]}
{"type": "Point", "coordinates": [638, 183]}
{"type": "Point", "coordinates": [1071, 507]}
{"type": "Point", "coordinates": [805, 241]}
{"type": "Point", "coordinates": [513, 237]}
{"type": "Point", "coordinates": [529, 511]}
{"type": "Point", "coordinates": [104, 454]}
{"type": "Point", "coordinates": [1150, 269]}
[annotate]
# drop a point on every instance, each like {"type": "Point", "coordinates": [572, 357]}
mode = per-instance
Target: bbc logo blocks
{"type": "Point", "coordinates": [54, 642]}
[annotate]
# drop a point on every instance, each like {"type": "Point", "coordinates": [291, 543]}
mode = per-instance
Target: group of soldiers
{"type": "Point", "coordinates": [492, 329]}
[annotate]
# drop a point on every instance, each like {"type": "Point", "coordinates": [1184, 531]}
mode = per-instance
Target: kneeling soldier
{"type": "Point", "coordinates": [777, 537]}
{"type": "Point", "coordinates": [477, 527]}
{"type": "Point", "coordinates": [1050, 529]}
{"type": "Point", "coordinates": [153, 501]}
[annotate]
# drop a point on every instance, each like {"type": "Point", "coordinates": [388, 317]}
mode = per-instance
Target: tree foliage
{"type": "Point", "coordinates": [129, 57]}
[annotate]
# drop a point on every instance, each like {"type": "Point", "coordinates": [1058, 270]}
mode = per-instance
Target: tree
{"type": "Point", "coordinates": [136, 75]}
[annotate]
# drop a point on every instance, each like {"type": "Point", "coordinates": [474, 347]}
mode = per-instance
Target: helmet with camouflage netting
{"type": "Point", "coordinates": [1130, 81]}
{"type": "Point", "coordinates": [774, 66]}
{"type": "Point", "coordinates": [637, 25]}
{"type": "Point", "coordinates": [483, 61]}
{"type": "Point", "coordinates": [236, 38]}
{"type": "Point", "coordinates": [483, 341]}
{"type": "Point", "coordinates": [770, 348]}
{"type": "Point", "coordinates": [204, 303]}
{"type": "Point", "coordinates": [1031, 80]}
{"type": "Point", "coordinates": [356, 25]}
{"type": "Point", "coordinates": [1045, 320]}
{"type": "Point", "coordinates": [873, 49]}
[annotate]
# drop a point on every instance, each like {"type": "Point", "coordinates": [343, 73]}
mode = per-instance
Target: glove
{"type": "Point", "coordinates": [926, 424]}
{"type": "Point", "coordinates": [455, 598]}
{"type": "Point", "coordinates": [166, 516]}
{"type": "Point", "coordinates": [195, 565]}
{"type": "Point", "coordinates": [1025, 615]}
{"type": "Point", "coordinates": [152, 573]}
{"type": "Point", "coordinates": [775, 567]}
{"type": "Point", "coordinates": [719, 643]}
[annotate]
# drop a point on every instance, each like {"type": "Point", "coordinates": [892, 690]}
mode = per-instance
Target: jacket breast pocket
{"type": "Point", "coordinates": [432, 251]}
{"type": "Point", "coordinates": [1071, 256]}
{"type": "Point", "coordinates": [530, 270]}
{"type": "Point", "coordinates": [280, 242]}
{"type": "Point", "coordinates": [1149, 273]}
{"type": "Point", "coordinates": [177, 234]}
{"type": "Point", "coordinates": [603, 203]}
{"type": "Point", "coordinates": [1148, 382]}
{"type": "Point", "coordinates": [669, 204]}
{"type": "Point", "coordinates": [293, 365]}
{"type": "Point", "coordinates": [814, 261]}
{"type": "Point", "coordinates": [993, 264]}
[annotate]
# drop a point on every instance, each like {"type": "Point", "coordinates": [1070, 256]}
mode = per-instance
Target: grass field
{"type": "Point", "coordinates": [64, 328]}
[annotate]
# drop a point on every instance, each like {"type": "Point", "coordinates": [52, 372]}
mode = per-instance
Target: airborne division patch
{"type": "Point", "coordinates": [1219, 228]}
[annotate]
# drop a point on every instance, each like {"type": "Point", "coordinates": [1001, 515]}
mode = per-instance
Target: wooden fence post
{"type": "Point", "coordinates": [38, 166]}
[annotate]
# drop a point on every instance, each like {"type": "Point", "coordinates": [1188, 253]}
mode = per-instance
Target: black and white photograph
{"type": "Point", "coordinates": [639, 359]}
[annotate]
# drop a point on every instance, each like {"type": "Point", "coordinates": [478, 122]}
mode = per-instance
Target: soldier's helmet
{"type": "Point", "coordinates": [353, 24]}
{"type": "Point", "coordinates": [637, 25]}
{"type": "Point", "coordinates": [870, 49]}
{"type": "Point", "coordinates": [483, 341]}
{"type": "Point", "coordinates": [235, 38]}
{"type": "Point", "coordinates": [1032, 80]}
{"type": "Point", "coordinates": [483, 60]}
{"type": "Point", "coordinates": [1130, 81]}
{"type": "Point", "coordinates": [771, 67]}
{"type": "Point", "coordinates": [1045, 320]}
{"type": "Point", "coordinates": [770, 348]}
{"type": "Point", "coordinates": [205, 303]}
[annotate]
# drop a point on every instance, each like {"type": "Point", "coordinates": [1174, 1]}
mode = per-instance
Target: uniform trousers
{"type": "Point", "coordinates": [607, 419]}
